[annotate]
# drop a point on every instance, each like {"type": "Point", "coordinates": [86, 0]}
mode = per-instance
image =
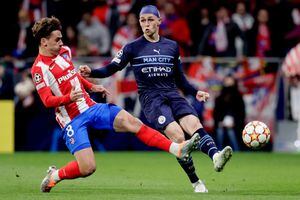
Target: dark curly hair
{"type": "Point", "coordinates": [44, 27]}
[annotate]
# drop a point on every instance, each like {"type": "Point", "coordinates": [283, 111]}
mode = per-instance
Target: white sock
{"type": "Point", "coordinates": [55, 176]}
{"type": "Point", "coordinates": [174, 149]}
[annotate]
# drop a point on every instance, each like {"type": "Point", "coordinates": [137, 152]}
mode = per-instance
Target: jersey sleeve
{"type": "Point", "coordinates": [105, 71]}
{"type": "Point", "coordinates": [44, 91]}
{"type": "Point", "coordinates": [180, 79]}
{"type": "Point", "coordinates": [118, 63]}
{"type": "Point", "coordinates": [87, 85]}
{"type": "Point", "coordinates": [123, 56]}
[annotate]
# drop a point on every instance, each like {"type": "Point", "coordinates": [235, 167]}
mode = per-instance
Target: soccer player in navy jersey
{"type": "Point", "coordinates": [156, 64]}
{"type": "Point", "coordinates": [61, 87]}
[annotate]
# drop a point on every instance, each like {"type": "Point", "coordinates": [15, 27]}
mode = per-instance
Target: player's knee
{"type": "Point", "coordinates": [126, 122]}
{"type": "Point", "coordinates": [88, 170]}
{"type": "Point", "coordinates": [133, 124]}
{"type": "Point", "coordinates": [193, 122]}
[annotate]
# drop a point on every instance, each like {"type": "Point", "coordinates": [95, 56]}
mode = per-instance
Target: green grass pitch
{"type": "Point", "coordinates": [153, 175]}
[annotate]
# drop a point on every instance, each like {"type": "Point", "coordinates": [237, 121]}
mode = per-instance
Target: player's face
{"type": "Point", "coordinates": [149, 24]}
{"type": "Point", "coordinates": [54, 43]}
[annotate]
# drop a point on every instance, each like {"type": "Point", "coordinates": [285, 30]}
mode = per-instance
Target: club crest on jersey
{"type": "Point", "coordinates": [72, 140]}
{"type": "Point", "coordinates": [161, 119]}
{"type": "Point", "coordinates": [37, 78]}
{"type": "Point", "coordinates": [66, 56]}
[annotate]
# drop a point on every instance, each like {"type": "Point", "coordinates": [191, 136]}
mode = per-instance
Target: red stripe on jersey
{"type": "Point", "coordinates": [54, 78]}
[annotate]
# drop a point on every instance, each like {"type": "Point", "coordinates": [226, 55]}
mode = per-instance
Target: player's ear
{"type": "Point", "coordinates": [44, 42]}
{"type": "Point", "coordinates": [159, 21]}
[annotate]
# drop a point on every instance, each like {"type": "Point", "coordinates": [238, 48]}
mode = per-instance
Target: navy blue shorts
{"type": "Point", "coordinates": [100, 116]}
{"type": "Point", "coordinates": [161, 109]}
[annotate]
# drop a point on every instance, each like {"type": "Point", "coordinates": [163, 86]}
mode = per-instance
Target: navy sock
{"type": "Point", "coordinates": [206, 144]}
{"type": "Point", "coordinates": [188, 167]}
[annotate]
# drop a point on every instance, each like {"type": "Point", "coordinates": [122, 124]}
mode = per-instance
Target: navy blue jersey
{"type": "Point", "coordinates": [156, 66]}
{"type": "Point", "coordinates": [153, 63]}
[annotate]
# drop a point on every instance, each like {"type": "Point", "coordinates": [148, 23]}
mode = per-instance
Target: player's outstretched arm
{"type": "Point", "coordinates": [102, 72]}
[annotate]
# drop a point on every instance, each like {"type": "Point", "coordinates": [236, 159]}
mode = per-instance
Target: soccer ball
{"type": "Point", "coordinates": [256, 134]}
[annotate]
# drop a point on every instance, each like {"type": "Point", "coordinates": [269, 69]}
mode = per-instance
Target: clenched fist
{"type": "Point", "coordinates": [85, 70]}
{"type": "Point", "coordinates": [202, 96]}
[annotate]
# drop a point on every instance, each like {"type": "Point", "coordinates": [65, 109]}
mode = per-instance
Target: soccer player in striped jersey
{"type": "Point", "coordinates": [291, 70]}
{"type": "Point", "coordinates": [60, 86]}
{"type": "Point", "coordinates": [156, 64]}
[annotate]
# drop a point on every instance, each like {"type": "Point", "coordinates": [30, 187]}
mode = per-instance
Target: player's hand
{"type": "Point", "coordinates": [76, 94]}
{"type": "Point", "coordinates": [100, 88]}
{"type": "Point", "coordinates": [85, 70]}
{"type": "Point", "coordinates": [202, 96]}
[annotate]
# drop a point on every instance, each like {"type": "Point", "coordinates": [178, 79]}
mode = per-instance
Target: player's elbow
{"type": "Point", "coordinates": [47, 103]}
{"type": "Point", "coordinates": [48, 106]}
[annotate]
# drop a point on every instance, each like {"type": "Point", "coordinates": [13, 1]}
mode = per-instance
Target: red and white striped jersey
{"type": "Point", "coordinates": [54, 77]}
{"type": "Point", "coordinates": [291, 63]}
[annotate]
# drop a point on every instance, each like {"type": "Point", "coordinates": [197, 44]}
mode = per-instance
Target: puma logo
{"type": "Point", "coordinates": [157, 51]}
{"type": "Point", "coordinates": [51, 67]}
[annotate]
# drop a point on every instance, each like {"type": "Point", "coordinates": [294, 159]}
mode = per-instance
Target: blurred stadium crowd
{"type": "Point", "coordinates": [99, 28]}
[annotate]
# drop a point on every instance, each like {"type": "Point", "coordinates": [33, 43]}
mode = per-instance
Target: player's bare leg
{"type": "Point", "coordinates": [125, 122]}
{"type": "Point", "coordinates": [191, 124]}
{"type": "Point", "coordinates": [176, 134]}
